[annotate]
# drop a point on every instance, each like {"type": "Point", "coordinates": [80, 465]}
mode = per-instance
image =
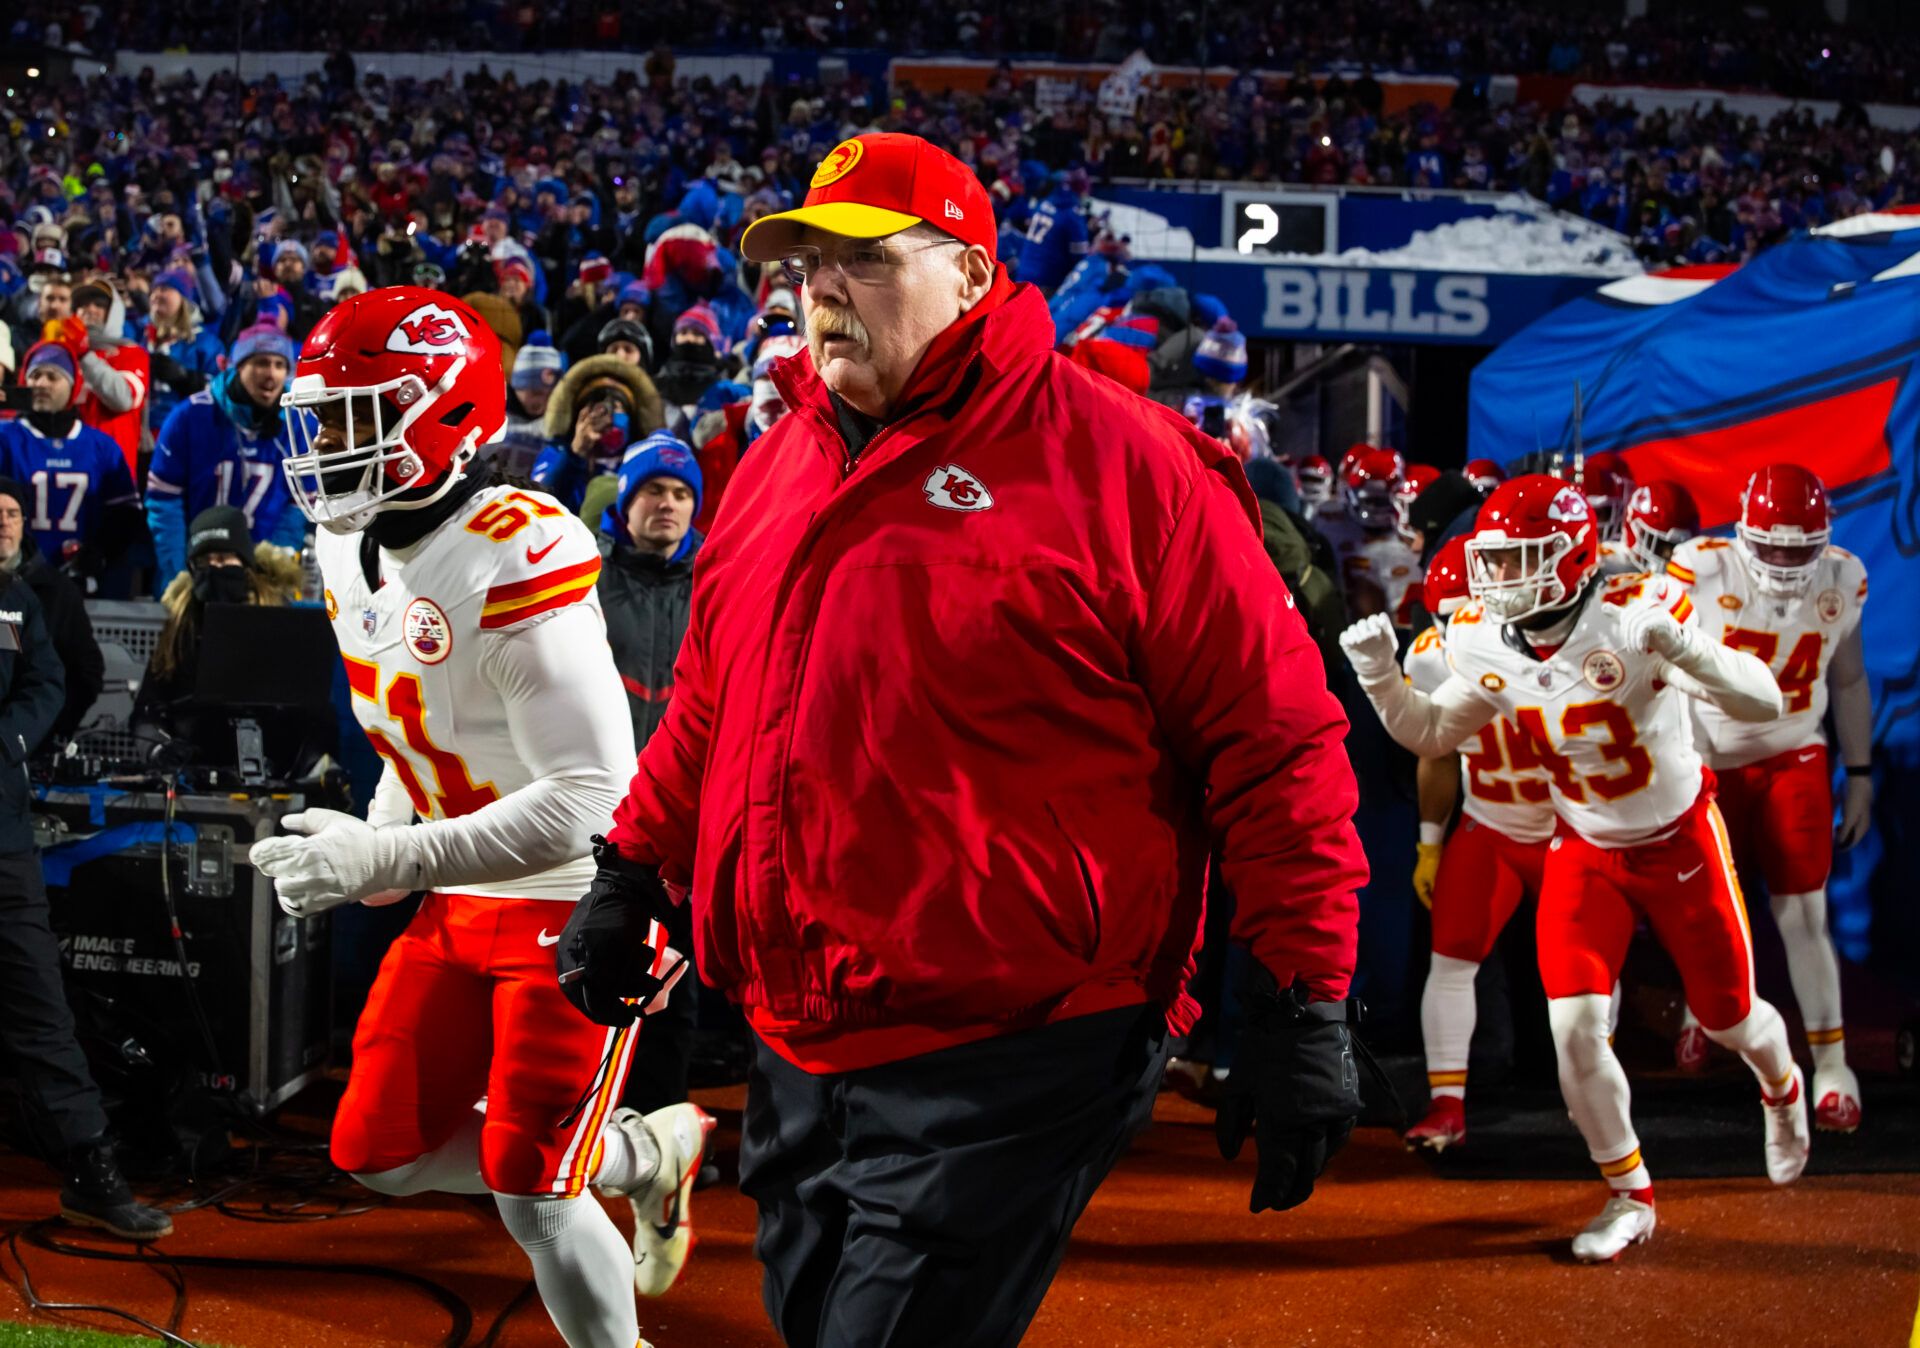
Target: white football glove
{"type": "Point", "coordinates": [1372, 648]}
{"type": "Point", "coordinates": [1651, 630]}
{"type": "Point", "coordinates": [338, 860]}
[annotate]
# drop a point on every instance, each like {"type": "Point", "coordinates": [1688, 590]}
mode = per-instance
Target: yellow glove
{"type": "Point", "coordinates": [1426, 866]}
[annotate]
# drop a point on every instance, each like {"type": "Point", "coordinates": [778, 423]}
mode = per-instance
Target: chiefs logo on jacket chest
{"type": "Point", "coordinates": [952, 487]}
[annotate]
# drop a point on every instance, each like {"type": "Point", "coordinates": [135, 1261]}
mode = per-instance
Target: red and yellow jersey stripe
{"type": "Point", "coordinates": [508, 604]}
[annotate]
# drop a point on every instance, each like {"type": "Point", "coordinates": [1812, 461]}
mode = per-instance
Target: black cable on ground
{"type": "Point", "coordinates": [507, 1312]}
{"type": "Point", "coordinates": [294, 1194]}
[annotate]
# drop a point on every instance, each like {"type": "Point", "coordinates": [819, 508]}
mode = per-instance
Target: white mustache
{"type": "Point", "coordinates": [823, 323]}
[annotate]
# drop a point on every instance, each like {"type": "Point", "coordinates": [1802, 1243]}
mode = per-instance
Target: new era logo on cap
{"type": "Point", "coordinates": [954, 212]}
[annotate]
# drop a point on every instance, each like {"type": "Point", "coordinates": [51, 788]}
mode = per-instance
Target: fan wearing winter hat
{"type": "Point", "coordinates": [181, 352]}
{"type": "Point", "coordinates": [223, 447]}
{"type": "Point", "coordinates": [537, 367]}
{"type": "Point", "coordinates": [92, 511]}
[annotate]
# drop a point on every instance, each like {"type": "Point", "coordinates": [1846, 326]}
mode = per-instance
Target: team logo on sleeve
{"type": "Point", "coordinates": [1603, 670]}
{"type": "Point", "coordinates": [333, 605]}
{"type": "Point", "coordinates": [952, 487]}
{"type": "Point", "coordinates": [430, 330]}
{"type": "Point", "coordinates": [427, 633]}
{"type": "Point", "coordinates": [1829, 605]}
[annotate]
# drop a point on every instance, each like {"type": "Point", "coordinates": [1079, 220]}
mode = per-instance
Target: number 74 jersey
{"type": "Point", "coordinates": [1796, 638]}
{"type": "Point", "coordinates": [434, 680]}
{"type": "Point", "coordinates": [1599, 719]}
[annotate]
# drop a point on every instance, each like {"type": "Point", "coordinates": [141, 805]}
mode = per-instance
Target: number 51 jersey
{"type": "Point", "coordinates": [1597, 718]}
{"type": "Point", "coordinates": [426, 656]}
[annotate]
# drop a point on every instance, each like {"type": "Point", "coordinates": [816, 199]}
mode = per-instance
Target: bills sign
{"type": "Point", "coordinates": [1303, 302]}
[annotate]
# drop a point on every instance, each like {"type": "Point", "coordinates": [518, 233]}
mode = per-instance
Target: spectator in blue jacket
{"type": "Point", "coordinates": [223, 447]}
{"type": "Point", "coordinates": [183, 355]}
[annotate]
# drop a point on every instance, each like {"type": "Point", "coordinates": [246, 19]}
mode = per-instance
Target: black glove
{"type": "Point", "coordinates": [1295, 1085]}
{"type": "Point", "coordinates": [613, 959]}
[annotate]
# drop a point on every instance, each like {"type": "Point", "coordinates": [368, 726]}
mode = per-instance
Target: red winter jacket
{"type": "Point", "coordinates": [954, 732]}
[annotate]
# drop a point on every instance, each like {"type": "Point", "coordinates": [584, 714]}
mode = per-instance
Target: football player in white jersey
{"type": "Point", "coordinates": [1596, 676]}
{"type": "Point", "coordinates": [1474, 880]}
{"type": "Point", "coordinates": [479, 667]}
{"type": "Point", "coordinates": [1779, 591]}
{"type": "Point", "coordinates": [1659, 517]}
{"type": "Point", "coordinates": [1380, 572]}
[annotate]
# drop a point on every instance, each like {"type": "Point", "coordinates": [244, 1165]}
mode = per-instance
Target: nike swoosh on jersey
{"type": "Point", "coordinates": [1809, 756]}
{"type": "Point", "coordinates": [544, 939]}
{"type": "Point", "coordinates": [536, 557]}
{"type": "Point", "coordinates": [1685, 876]}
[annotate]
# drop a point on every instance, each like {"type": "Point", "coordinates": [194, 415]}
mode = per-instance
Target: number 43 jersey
{"type": "Point", "coordinates": [1796, 638]}
{"type": "Point", "coordinates": [480, 671]}
{"type": "Point", "coordinates": [1612, 736]}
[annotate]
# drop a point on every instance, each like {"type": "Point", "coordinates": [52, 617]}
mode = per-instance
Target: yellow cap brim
{"type": "Point", "coordinates": [772, 237]}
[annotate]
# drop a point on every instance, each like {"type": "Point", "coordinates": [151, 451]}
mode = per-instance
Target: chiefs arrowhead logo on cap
{"type": "Point", "coordinates": [428, 331]}
{"type": "Point", "coordinates": [952, 487]}
{"type": "Point", "coordinates": [840, 161]}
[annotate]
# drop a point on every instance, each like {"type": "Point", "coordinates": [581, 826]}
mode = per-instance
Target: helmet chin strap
{"type": "Point", "coordinates": [401, 524]}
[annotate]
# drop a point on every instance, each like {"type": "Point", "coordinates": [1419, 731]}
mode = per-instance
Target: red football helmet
{"type": "Point", "coordinates": [1446, 587]}
{"type": "Point", "coordinates": [1315, 478]}
{"type": "Point", "coordinates": [1419, 476]}
{"type": "Point", "coordinates": [1785, 523]}
{"type": "Point", "coordinates": [1484, 474]}
{"type": "Point", "coordinates": [1660, 517]}
{"type": "Point", "coordinates": [1351, 457]}
{"type": "Point", "coordinates": [403, 386]}
{"type": "Point", "coordinates": [1535, 546]}
{"type": "Point", "coordinates": [1371, 489]}
{"type": "Point", "coordinates": [1607, 484]}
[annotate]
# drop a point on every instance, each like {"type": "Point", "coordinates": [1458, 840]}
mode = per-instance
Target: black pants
{"type": "Point", "coordinates": [927, 1203]}
{"type": "Point", "coordinates": [36, 1024]}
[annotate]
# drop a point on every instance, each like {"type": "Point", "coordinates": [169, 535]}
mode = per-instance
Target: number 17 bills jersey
{"type": "Point", "coordinates": [1611, 735]}
{"type": "Point", "coordinates": [480, 671]}
{"type": "Point", "coordinates": [1795, 638]}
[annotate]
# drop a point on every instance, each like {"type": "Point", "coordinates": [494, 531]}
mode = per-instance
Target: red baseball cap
{"type": "Point", "coordinates": [873, 186]}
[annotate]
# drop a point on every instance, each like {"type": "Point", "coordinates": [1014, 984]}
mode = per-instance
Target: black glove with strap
{"type": "Point", "coordinates": [613, 958]}
{"type": "Point", "coordinates": [1294, 1085]}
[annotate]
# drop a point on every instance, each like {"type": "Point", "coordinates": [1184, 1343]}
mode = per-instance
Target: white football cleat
{"type": "Point", "coordinates": [1622, 1222]}
{"type": "Point", "coordinates": [1788, 1137]}
{"type": "Point", "coordinates": [1836, 1100]}
{"type": "Point", "coordinates": [662, 1222]}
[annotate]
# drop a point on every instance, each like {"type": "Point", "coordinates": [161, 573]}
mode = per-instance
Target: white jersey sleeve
{"type": "Point", "coordinates": [576, 744]}
{"type": "Point", "coordinates": [1426, 662]}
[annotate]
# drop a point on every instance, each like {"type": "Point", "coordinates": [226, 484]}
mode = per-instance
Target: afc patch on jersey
{"type": "Point", "coordinates": [427, 632]}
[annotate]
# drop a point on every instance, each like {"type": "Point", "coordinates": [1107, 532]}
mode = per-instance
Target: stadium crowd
{"type": "Point", "coordinates": [1730, 49]}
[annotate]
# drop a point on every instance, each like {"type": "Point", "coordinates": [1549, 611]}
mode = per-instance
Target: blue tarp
{"type": "Point", "coordinates": [1808, 355]}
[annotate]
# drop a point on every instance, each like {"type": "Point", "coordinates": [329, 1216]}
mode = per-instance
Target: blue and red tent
{"type": "Point", "coordinates": [1807, 354]}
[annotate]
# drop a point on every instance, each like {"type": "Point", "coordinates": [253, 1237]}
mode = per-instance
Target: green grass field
{"type": "Point", "coordinates": [52, 1336]}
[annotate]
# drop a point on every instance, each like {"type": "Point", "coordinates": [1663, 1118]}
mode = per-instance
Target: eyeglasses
{"type": "Point", "coordinates": [865, 261]}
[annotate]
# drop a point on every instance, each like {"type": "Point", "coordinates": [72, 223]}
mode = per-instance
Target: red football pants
{"type": "Point", "coordinates": [467, 1006]}
{"type": "Point", "coordinates": [1591, 897]}
{"type": "Point", "coordinates": [1779, 813]}
{"type": "Point", "coordinates": [1483, 876]}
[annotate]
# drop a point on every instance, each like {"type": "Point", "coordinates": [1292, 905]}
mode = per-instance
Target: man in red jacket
{"type": "Point", "coordinates": [985, 660]}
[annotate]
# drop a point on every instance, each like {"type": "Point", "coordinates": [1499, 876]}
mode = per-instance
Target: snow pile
{"type": "Point", "coordinates": [1523, 238]}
